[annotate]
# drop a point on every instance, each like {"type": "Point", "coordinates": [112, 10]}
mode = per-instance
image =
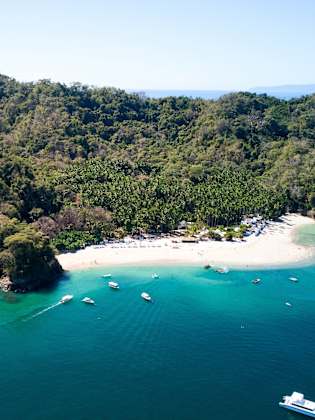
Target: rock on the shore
{"type": "Point", "coordinates": [43, 275]}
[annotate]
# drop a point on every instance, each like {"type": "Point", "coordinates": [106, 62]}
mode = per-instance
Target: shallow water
{"type": "Point", "coordinates": [305, 235]}
{"type": "Point", "coordinates": [209, 346]}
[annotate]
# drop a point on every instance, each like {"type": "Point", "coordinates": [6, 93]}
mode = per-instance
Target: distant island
{"type": "Point", "coordinates": [285, 91]}
{"type": "Point", "coordinates": [79, 165]}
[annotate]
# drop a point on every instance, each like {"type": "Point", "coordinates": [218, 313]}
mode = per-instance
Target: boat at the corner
{"type": "Point", "coordinates": [66, 298]}
{"type": "Point", "coordinates": [296, 402]}
{"type": "Point", "coordinates": [88, 300]}
{"type": "Point", "coordinates": [113, 285]}
{"type": "Point", "coordinates": [146, 296]}
{"type": "Point", "coordinates": [256, 281]}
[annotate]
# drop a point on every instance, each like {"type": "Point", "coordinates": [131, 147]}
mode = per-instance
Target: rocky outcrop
{"type": "Point", "coordinates": [43, 275]}
{"type": "Point", "coordinates": [5, 283]}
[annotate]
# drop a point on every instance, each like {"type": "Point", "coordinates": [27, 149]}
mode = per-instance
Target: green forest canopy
{"type": "Point", "coordinates": [81, 163]}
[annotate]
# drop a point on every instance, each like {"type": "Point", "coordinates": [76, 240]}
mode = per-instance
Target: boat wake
{"type": "Point", "coordinates": [42, 312]}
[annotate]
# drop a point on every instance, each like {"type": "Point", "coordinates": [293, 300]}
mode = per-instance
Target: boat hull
{"type": "Point", "coordinates": [297, 410]}
{"type": "Point", "coordinates": [66, 299]}
{"type": "Point", "coordinates": [88, 302]}
{"type": "Point", "coordinates": [146, 297]}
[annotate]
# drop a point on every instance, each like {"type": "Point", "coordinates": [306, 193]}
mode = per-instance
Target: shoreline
{"type": "Point", "coordinates": [273, 248]}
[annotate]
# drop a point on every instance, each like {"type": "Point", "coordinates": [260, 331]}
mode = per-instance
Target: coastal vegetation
{"type": "Point", "coordinates": [79, 164]}
{"type": "Point", "coordinates": [27, 260]}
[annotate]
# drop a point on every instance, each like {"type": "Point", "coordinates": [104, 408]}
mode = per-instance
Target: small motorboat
{"type": "Point", "coordinates": [221, 270]}
{"type": "Point", "coordinates": [88, 300]}
{"type": "Point", "coordinates": [256, 281]}
{"type": "Point", "coordinates": [155, 276]}
{"type": "Point", "coordinates": [288, 304]}
{"type": "Point", "coordinates": [146, 296]}
{"type": "Point", "coordinates": [113, 285]}
{"type": "Point", "coordinates": [66, 298]}
{"type": "Point", "coordinates": [107, 276]}
{"type": "Point", "coordinates": [296, 402]}
{"type": "Point", "coordinates": [294, 279]}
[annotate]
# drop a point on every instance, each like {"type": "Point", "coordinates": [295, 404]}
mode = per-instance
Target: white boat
{"type": "Point", "coordinates": [256, 281]}
{"type": "Point", "coordinates": [107, 276]}
{"type": "Point", "coordinates": [155, 276]}
{"type": "Point", "coordinates": [221, 270]}
{"type": "Point", "coordinates": [297, 403]}
{"type": "Point", "coordinates": [146, 296]}
{"type": "Point", "coordinates": [88, 300]}
{"type": "Point", "coordinates": [294, 279]}
{"type": "Point", "coordinates": [66, 298]}
{"type": "Point", "coordinates": [288, 304]}
{"type": "Point", "coordinates": [113, 285]}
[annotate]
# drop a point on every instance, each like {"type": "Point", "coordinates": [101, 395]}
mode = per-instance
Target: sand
{"type": "Point", "coordinates": [273, 247]}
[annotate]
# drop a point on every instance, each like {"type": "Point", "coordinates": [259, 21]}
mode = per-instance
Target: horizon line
{"type": "Point", "coordinates": [133, 89]}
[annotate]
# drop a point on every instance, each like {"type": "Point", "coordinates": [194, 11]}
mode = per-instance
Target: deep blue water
{"type": "Point", "coordinates": [204, 94]}
{"type": "Point", "coordinates": [210, 346]}
{"type": "Point", "coordinates": [281, 92]}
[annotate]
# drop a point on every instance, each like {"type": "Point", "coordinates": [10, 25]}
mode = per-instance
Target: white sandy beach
{"type": "Point", "coordinates": [273, 247]}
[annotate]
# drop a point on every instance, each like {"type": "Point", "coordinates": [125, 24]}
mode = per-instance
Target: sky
{"type": "Point", "coordinates": [160, 44]}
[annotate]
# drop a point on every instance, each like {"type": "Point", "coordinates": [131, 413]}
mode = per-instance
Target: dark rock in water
{"type": "Point", "coordinates": [27, 259]}
{"type": "Point", "coordinates": [42, 274]}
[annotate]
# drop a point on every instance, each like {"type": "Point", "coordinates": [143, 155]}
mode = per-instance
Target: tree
{"type": "Point", "coordinates": [28, 259]}
{"type": "Point", "coordinates": [228, 235]}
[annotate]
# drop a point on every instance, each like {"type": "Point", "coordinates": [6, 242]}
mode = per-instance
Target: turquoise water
{"type": "Point", "coordinates": [210, 346]}
{"type": "Point", "coordinates": [306, 235]}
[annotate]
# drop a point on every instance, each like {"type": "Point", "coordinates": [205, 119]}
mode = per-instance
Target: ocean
{"type": "Point", "coordinates": [306, 235]}
{"type": "Point", "coordinates": [286, 92]}
{"type": "Point", "coordinates": [210, 346]}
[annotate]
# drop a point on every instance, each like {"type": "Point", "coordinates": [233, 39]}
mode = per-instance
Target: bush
{"type": "Point", "coordinates": [212, 234]}
{"type": "Point", "coordinates": [71, 240]}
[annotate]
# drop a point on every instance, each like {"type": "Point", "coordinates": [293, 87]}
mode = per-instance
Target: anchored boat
{"type": "Point", "coordinates": [88, 300]}
{"type": "Point", "coordinates": [297, 403]}
{"type": "Point", "coordinates": [146, 296]}
{"type": "Point", "coordinates": [256, 281]}
{"type": "Point", "coordinates": [221, 270]}
{"type": "Point", "coordinates": [113, 285]}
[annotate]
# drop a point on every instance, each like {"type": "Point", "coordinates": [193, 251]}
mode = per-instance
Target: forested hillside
{"type": "Point", "coordinates": [81, 163]}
